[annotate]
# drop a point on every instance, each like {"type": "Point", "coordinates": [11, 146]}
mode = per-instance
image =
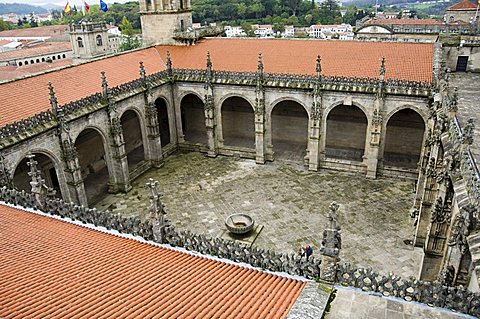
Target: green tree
{"type": "Point", "coordinates": [128, 39]}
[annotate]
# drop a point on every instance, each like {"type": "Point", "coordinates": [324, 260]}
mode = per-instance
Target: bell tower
{"type": "Point", "coordinates": [161, 19]}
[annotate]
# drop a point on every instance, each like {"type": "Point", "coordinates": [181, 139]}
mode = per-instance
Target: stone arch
{"type": "Point", "coordinates": [50, 169]}
{"type": "Point", "coordinates": [238, 122]}
{"type": "Point", "coordinates": [292, 99]}
{"type": "Point", "coordinates": [289, 129]}
{"type": "Point", "coordinates": [229, 95]}
{"type": "Point", "coordinates": [91, 146]}
{"type": "Point", "coordinates": [161, 106]}
{"type": "Point", "coordinates": [346, 130]}
{"type": "Point", "coordinates": [404, 136]}
{"type": "Point", "coordinates": [132, 125]}
{"type": "Point", "coordinates": [193, 119]}
{"type": "Point", "coordinates": [188, 92]}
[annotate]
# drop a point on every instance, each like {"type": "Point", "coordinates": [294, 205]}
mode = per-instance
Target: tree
{"type": "Point", "coordinates": [4, 25]}
{"type": "Point", "coordinates": [128, 39]}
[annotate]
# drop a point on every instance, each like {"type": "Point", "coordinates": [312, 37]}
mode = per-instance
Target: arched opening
{"type": "Point", "coordinates": [43, 59]}
{"type": "Point", "coordinates": [26, 62]}
{"type": "Point", "coordinates": [289, 130]}
{"type": "Point", "coordinates": [64, 56]}
{"type": "Point", "coordinates": [37, 60]}
{"type": "Point", "coordinates": [20, 63]}
{"type": "Point", "coordinates": [46, 166]}
{"type": "Point", "coordinates": [132, 136]}
{"type": "Point", "coordinates": [99, 40]}
{"type": "Point", "coordinates": [346, 132]}
{"type": "Point", "coordinates": [162, 118]}
{"type": "Point", "coordinates": [32, 62]}
{"type": "Point", "coordinates": [90, 148]}
{"type": "Point", "coordinates": [238, 123]}
{"type": "Point", "coordinates": [80, 42]}
{"type": "Point", "coordinates": [193, 119]}
{"type": "Point", "coordinates": [404, 139]}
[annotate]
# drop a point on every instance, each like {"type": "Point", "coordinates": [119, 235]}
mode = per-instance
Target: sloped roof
{"type": "Point", "coordinates": [404, 61]}
{"type": "Point", "coordinates": [51, 31]}
{"type": "Point", "coordinates": [53, 269]}
{"type": "Point", "coordinates": [44, 48]}
{"type": "Point", "coordinates": [12, 71]}
{"type": "Point", "coordinates": [463, 5]}
{"type": "Point", "coordinates": [404, 21]}
{"type": "Point", "coordinates": [26, 97]}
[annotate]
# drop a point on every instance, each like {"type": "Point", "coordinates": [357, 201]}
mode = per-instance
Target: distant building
{"type": "Point", "coordinates": [263, 30]}
{"type": "Point", "coordinates": [330, 31]}
{"type": "Point", "coordinates": [464, 10]}
{"type": "Point", "coordinates": [232, 32]}
{"type": "Point", "coordinates": [289, 31]}
{"type": "Point", "coordinates": [89, 40]}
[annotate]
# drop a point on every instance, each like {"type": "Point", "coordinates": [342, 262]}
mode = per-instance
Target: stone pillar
{"type": "Point", "coordinates": [331, 245]}
{"type": "Point", "coordinates": [155, 155]}
{"type": "Point", "coordinates": [5, 179]}
{"type": "Point", "coordinates": [119, 179]}
{"type": "Point", "coordinates": [209, 109]}
{"type": "Point", "coordinates": [76, 188]}
{"type": "Point", "coordinates": [315, 121]}
{"type": "Point", "coordinates": [260, 145]}
{"type": "Point", "coordinates": [375, 129]}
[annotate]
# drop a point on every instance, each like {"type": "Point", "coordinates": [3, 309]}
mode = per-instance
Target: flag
{"type": "Point", "coordinates": [103, 6]}
{"type": "Point", "coordinates": [67, 8]}
{"type": "Point", "coordinates": [86, 6]}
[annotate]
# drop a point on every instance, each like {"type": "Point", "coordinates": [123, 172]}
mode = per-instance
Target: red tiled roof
{"type": "Point", "coordinates": [72, 83]}
{"type": "Point", "coordinates": [53, 269]}
{"type": "Point", "coordinates": [340, 58]}
{"type": "Point", "coordinates": [44, 48]}
{"type": "Point", "coordinates": [404, 21]}
{"type": "Point", "coordinates": [404, 61]}
{"type": "Point", "coordinates": [46, 31]}
{"type": "Point", "coordinates": [463, 5]}
{"type": "Point", "coordinates": [12, 71]}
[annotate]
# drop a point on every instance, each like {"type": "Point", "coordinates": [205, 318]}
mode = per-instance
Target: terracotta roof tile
{"type": "Point", "coordinates": [61, 270]}
{"type": "Point", "coordinates": [340, 58]}
{"type": "Point", "coordinates": [463, 5]}
{"type": "Point", "coordinates": [44, 48]}
{"type": "Point", "coordinates": [72, 83]}
{"type": "Point", "coordinates": [46, 31]}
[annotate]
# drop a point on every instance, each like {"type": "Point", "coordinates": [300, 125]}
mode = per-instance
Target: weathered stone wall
{"type": "Point", "coordinates": [159, 28]}
{"type": "Point", "coordinates": [452, 53]}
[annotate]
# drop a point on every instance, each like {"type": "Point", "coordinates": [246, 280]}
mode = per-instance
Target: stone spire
{"type": "Point", "coordinates": [319, 68]}
{"type": "Point", "coordinates": [209, 69]}
{"type": "Point", "coordinates": [169, 65]}
{"type": "Point", "coordinates": [104, 85]}
{"type": "Point", "coordinates": [331, 245]}
{"type": "Point", "coordinates": [142, 71]}
{"type": "Point", "coordinates": [39, 189]}
{"type": "Point", "coordinates": [382, 69]}
{"type": "Point", "coordinates": [260, 65]}
{"type": "Point", "coordinates": [53, 99]}
{"type": "Point", "coordinates": [156, 212]}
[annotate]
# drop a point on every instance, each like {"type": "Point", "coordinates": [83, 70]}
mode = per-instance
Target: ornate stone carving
{"type": "Point", "coordinates": [156, 213]}
{"type": "Point", "coordinates": [69, 152]}
{"type": "Point", "coordinates": [260, 90]}
{"type": "Point", "coordinates": [40, 190]}
{"type": "Point", "coordinates": [463, 223]}
{"type": "Point", "coordinates": [440, 213]}
{"type": "Point", "coordinates": [468, 130]}
{"type": "Point", "coordinates": [141, 70]}
{"type": "Point", "coordinates": [104, 86]}
{"type": "Point", "coordinates": [5, 179]}
{"type": "Point", "coordinates": [332, 241]}
{"type": "Point", "coordinates": [452, 101]}
{"type": "Point", "coordinates": [169, 66]}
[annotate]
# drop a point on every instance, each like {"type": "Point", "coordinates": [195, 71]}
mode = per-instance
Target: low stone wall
{"type": "Point", "coordinates": [431, 293]}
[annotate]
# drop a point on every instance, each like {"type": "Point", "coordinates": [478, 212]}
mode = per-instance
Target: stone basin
{"type": "Point", "coordinates": [239, 224]}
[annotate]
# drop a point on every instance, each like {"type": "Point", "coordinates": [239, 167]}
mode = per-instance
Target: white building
{"type": "Point", "coordinates": [330, 31]}
{"type": "Point", "coordinates": [232, 32]}
{"type": "Point", "coordinates": [263, 30]}
{"type": "Point", "coordinates": [289, 31]}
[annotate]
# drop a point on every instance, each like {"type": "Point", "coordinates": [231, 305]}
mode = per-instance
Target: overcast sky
{"type": "Point", "coordinates": [61, 2]}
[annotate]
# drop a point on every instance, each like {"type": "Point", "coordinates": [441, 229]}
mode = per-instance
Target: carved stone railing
{"type": "Point", "coordinates": [431, 293]}
{"type": "Point", "coordinates": [24, 125]}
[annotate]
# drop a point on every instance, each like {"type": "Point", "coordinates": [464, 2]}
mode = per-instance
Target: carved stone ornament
{"type": "Point", "coordinates": [468, 131]}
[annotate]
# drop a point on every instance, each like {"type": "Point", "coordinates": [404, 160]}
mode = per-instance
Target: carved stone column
{"type": "Point", "coordinates": [76, 188]}
{"type": "Point", "coordinates": [5, 179]}
{"type": "Point", "coordinates": [154, 154]}
{"type": "Point", "coordinates": [315, 121]}
{"type": "Point", "coordinates": [156, 213]}
{"type": "Point", "coordinates": [119, 178]}
{"type": "Point", "coordinates": [209, 109]}
{"type": "Point", "coordinates": [373, 147]}
{"type": "Point", "coordinates": [39, 189]}
{"type": "Point", "coordinates": [260, 145]}
{"type": "Point", "coordinates": [331, 245]}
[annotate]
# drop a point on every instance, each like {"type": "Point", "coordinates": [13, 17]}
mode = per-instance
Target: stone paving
{"type": "Point", "coordinates": [352, 303]}
{"type": "Point", "coordinates": [289, 201]}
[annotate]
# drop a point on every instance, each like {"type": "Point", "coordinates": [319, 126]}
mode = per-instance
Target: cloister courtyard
{"type": "Point", "coordinates": [290, 202]}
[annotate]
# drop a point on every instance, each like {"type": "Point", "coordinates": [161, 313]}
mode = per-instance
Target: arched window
{"type": "Point", "coordinates": [32, 62]}
{"type": "Point", "coordinates": [64, 56]}
{"type": "Point", "coordinates": [53, 57]}
{"type": "Point", "coordinates": [452, 19]}
{"type": "Point", "coordinates": [20, 63]}
{"type": "Point", "coordinates": [43, 59]}
{"type": "Point", "coordinates": [38, 60]}
{"type": "Point", "coordinates": [26, 62]}
{"type": "Point", "coordinates": [80, 42]}
{"type": "Point", "coordinates": [99, 40]}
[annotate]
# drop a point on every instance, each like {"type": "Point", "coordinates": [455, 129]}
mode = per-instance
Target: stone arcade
{"type": "Point", "coordinates": [390, 112]}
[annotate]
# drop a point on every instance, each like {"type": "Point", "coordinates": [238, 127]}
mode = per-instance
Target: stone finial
{"type": "Point", "coordinates": [260, 63]}
{"type": "Point", "coordinates": [53, 98]}
{"type": "Point", "coordinates": [156, 212]}
{"type": "Point", "coordinates": [468, 130]}
{"type": "Point", "coordinates": [209, 61]}
{"type": "Point", "coordinates": [331, 245]}
{"type": "Point", "coordinates": [319, 67]}
{"type": "Point", "coordinates": [104, 85]}
{"type": "Point", "coordinates": [142, 71]}
{"type": "Point", "coordinates": [332, 215]}
{"type": "Point", "coordinates": [382, 68]}
{"type": "Point", "coordinates": [169, 63]}
{"type": "Point", "coordinates": [39, 189]}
